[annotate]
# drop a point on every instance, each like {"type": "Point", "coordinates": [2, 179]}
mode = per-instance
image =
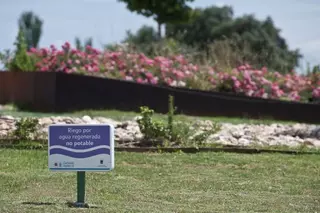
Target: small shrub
{"type": "Point", "coordinates": [150, 128]}
{"type": "Point", "coordinates": [200, 138]}
{"type": "Point", "coordinates": [181, 133]}
{"type": "Point", "coordinates": [21, 61]}
{"type": "Point", "coordinates": [177, 132]}
{"type": "Point", "coordinates": [25, 128]}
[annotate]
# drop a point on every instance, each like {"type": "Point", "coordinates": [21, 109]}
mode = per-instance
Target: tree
{"type": "Point", "coordinates": [145, 35]}
{"type": "Point", "coordinates": [163, 12]}
{"type": "Point", "coordinates": [79, 46]}
{"type": "Point", "coordinates": [21, 60]}
{"type": "Point", "coordinates": [145, 40]}
{"type": "Point", "coordinates": [217, 23]}
{"type": "Point", "coordinates": [203, 20]}
{"type": "Point", "coordinates": [31, 25]}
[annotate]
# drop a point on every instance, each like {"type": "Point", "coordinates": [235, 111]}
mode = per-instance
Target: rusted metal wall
{"type": "Point", "coordinates": [59, 92]}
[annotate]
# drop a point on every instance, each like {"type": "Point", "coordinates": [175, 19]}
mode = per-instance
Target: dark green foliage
{"type": "Point", "coordinates": [150, 128]}
{"type": "Point", "coordinates": [217, 23]}
{"type": "Point", "coordinates": [316, 69]}
{"type": "Point", "coordinates": [145, 35]}
{"type": "Point", "coordinates": [169, 11]}
{"type": "Point", "coordinates": [25, 127]}
{"type": "Point", "coordinates": [204, 21]}
{"type": "Point", "coordinates": [146, 41]}
{"type": "Point", "coordinates": [31, 25]}
{"type": "Point", "coordinates": [79, 46]}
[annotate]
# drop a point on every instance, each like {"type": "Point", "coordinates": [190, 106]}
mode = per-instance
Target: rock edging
{"type": "Point", "coordinates": [128, 134]}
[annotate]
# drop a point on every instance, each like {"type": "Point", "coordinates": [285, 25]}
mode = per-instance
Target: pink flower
{"type": "Point", "coordinates": [44, 51]}
{"type": "Point", "coordinates": [52, 47]}
{"type": "Point", "coordinates": [96, 69]}
{"type": "Point", "coordinates": [139, 80]}
{"type": "Point", "coordinates": [154, 81]}
{"type": "Point", "coordinates": [43, 69]}
{"type": "Point", "coordinates": [149, 75]}
{"type": "Point", "coordinates": [237, 84]}
{"type": "Point", "coordinates": [66, 45]}
{"type": "Point", "coordinates": [148, 61]}
{"type": "Point", "coordinates": [264, 70]}
{"type": "Point", "coordinates": [242, 67]}
{"type": "Point", "coordinates": [128, 78]}
{"type": "Point", "coordinates": [316, 93]}
{"type": "Point", "coordinates": [180, 74]}
{"type": "Point", "coordinates": [246, 75]}
{"type": "Point", "coordinates": [33, 50]}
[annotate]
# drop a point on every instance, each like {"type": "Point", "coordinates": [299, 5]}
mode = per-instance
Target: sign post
{"type": "Point", "coordinates": [81, 188]}
{"type": "Point", "coordinates": [81, 148]}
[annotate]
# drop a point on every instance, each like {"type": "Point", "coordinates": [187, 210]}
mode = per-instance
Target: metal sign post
{"type": "Point", "coordinates": [81, 189]}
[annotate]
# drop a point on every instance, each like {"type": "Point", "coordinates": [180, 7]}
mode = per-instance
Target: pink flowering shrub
{"type": "Point", "coordinates": [261, 83]}
{"type": "Point", "coordinates": [121, 65]}
{"type": "Point", "coordinates": [176, 71]}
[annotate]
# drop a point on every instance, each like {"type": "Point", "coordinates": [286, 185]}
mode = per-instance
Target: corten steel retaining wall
{"type": "Point", "coordinates": [30, 90]}
{"type": "Point", "coordinates": [59, 92]}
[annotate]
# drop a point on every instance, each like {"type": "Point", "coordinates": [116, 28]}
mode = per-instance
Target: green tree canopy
{"type": "Point", "coordinates": [168, 11]}
{"type": "Point", "coordinates": [31, 25]}
{"type": "Point", "coordinates": [217, 23]}
{"type": "Point", "coordinates": [204, 21]}
{"type": "Point", "coordinates": [144, 35]}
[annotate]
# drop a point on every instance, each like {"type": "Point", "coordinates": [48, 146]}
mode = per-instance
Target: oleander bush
{"type": "Point", "coordinates": [176, 71]}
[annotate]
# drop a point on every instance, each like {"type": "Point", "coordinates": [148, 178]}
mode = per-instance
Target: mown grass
{"type": "Point", "coordinates": [154, 182]}
{"type": "Point", "coordinates": [121, 116]}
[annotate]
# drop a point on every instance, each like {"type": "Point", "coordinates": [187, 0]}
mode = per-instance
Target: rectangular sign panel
{"type": "Point", "coordinates": [81, 147]}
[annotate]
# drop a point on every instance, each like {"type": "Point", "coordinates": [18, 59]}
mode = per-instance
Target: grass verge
{"type": "Point", "coordinates": [121, 116]}
{"type": "Point", "coordinates": [176, 182]}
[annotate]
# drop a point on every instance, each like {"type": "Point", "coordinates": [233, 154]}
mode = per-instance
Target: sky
{"type": "Point", "coordinates": [107, 21]}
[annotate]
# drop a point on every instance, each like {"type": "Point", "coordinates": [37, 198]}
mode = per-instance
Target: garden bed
{"type": "Point", "coordinates": [252, 138]}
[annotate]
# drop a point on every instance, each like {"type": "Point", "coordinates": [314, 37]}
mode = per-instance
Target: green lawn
{"type": "Point", "coordinates": [141, 182]}
{"type": "Point", "coordinates": [121, 116]}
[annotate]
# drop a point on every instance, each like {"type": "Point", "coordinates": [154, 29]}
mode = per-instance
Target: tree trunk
{"type": "Point", "coordinates": [159, 30]}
